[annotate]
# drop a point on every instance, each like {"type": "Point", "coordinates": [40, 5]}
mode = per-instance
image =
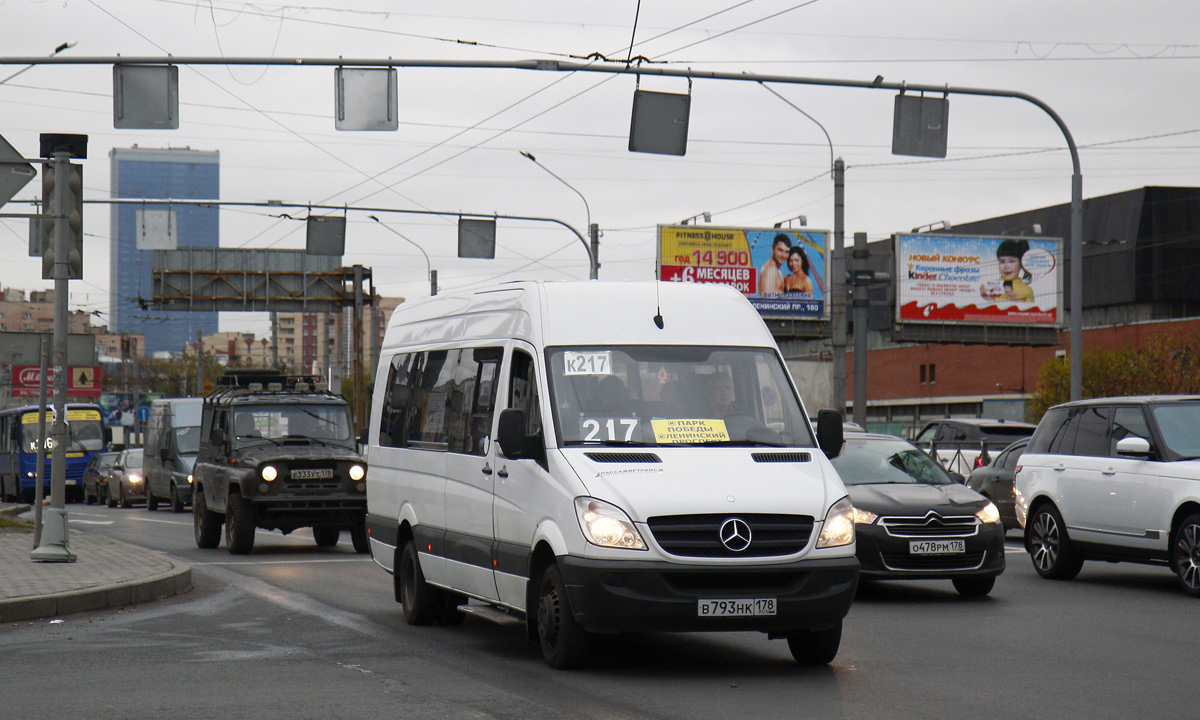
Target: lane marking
{"type": "Point", "coordinates": [90, 522]}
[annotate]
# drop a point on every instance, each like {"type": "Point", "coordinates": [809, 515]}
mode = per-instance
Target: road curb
{"type": "Point", "coordinates": [175, 581]}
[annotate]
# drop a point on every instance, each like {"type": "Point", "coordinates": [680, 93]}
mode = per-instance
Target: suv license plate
{"type": "Point", "coordinates": [735, 608]}
{"type": "Point", "coordinates": [312, 474]}
{"type": "Point", "coordinates": [936, 547]}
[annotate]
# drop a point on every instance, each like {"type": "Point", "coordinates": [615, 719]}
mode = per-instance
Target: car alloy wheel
{"type": "Point", "coordinates": [1049, 547]}
{"type": "Point", "coordinates": [1187, 555]}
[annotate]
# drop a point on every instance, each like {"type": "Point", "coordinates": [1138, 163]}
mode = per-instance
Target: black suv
{"type": "Point", "coordinates": [278, 454]}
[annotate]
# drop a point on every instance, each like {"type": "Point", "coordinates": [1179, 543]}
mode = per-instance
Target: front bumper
{"type": "Point", "coordinates": [283, 512]}
{"type": "Point", "coordinates": [884, 556]}
{"type": "Point", "coordinates": [619, 596]}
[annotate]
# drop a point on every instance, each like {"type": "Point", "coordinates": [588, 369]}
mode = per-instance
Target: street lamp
{"type": "Point", "coordinates": [939, 225]}
{"type": "Point", "coordinates": [57, 50]}
{"type": "Point", "coordinates": [593, 230]}
{"type": "Point", "coordinates": [706, 215]}
{"type": "Point", "coordinates": [837, 263]}
{"type": "Point", "coordinates": [428, 265]}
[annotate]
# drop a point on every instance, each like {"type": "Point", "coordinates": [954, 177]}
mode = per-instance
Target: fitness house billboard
{"type": "Point", "coordinates": [979, 280]}
{"type": "Point", "coordinates": [783, 272]}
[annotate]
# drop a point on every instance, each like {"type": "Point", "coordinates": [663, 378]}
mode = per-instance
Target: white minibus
{"type": "Point", "coordinates": [603, 457]}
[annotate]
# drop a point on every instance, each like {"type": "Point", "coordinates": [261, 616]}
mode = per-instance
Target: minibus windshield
{"type": "Point", "coordinates": [656, 395]}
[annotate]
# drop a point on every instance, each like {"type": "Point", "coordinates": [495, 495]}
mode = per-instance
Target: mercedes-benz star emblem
{"type": "Point", "coordinates": [735, 534]}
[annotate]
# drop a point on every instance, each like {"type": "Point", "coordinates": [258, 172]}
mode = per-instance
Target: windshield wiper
{"type": "Point", "coordinates": [319, 441]}
{"type": "Point", "coordinates": [259, 437]}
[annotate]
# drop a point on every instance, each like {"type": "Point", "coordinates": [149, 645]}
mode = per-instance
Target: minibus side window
{"type": "Point", "coordinates": [391, 425]}
{"type": "Point", "coordinates": [431, 377]}
{"type": "Point", "coordinates": [472, 400]}
{"type": "Point", "coordinates": [523, 395]}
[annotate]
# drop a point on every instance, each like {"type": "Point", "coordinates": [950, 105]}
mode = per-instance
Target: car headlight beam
{"type": "Point", "coordinates": [864, 517]}
{"type": "Point", "coordinates": [838, 528]}
{"type": "Point", "coordinates": [988, 514]}
{"type": "Point", "coordinates": [607, 525]}
{"type": "Point", "coordinates": [269, 473]}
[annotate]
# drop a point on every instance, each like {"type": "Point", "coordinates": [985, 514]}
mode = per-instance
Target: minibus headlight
{"type": "Point", "coordinates": [134, 478]}
{"type": "Point", "coordinates": [357, 472]}
{"type": "Point", "coordinates": [988, 514]}
{"type": "Point", "coordinates": [189, 479]}
{"type": "Point", "coordinates": [607, 525]}
{"type": "Point", "coordinates": [269, 473]}
{"type": "Point", "coordinates": [838, 528]}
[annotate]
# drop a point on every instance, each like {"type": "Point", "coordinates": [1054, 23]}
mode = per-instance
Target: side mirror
{"type": "Point", "coordinates": [218, 436]}
{"type": "Point", "coordinates": [830, 433]}
{"type": "Point", "coordinates": [1133, 446]}
{"type": "Point", "coordinates": [164, 454]}
{"type": "Point", "coordinates": [511, 433]}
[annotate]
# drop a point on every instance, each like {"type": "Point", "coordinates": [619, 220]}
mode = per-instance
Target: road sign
{"type": "Point", "coordinates": [15, 173]}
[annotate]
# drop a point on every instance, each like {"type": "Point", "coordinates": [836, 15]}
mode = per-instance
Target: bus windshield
{"type": "Point", "coordinates": [674, 395]}
{"type": "Point", "coordinates": [86, 431]}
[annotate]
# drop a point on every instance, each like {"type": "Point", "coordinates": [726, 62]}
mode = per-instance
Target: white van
{"type": "Point", "coordinates": [595, 457]}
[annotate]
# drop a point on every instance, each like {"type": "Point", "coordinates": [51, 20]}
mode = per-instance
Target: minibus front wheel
{"type": "Point", "coordinates": [563, 639]}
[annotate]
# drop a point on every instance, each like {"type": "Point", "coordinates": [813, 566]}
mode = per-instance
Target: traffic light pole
{"type": "Point", "coordinates": [54, 546]}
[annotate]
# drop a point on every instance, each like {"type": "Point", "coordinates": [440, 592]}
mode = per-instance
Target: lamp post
{"type": "Point", "coordinates": [57, 50]}
{"type": "Point", "coordinates": [593, 230]}
{"type": "Point", "coordinates": [837, 264]}
{"type": "Point", "coordinates": [428, 265]}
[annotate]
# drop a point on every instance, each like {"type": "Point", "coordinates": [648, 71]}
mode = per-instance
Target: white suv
{"type": "Point", "coordinates": [1114, 479]}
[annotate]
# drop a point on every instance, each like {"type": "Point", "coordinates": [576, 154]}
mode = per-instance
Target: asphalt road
{"type": "Point", "coordinates": [296, 631]}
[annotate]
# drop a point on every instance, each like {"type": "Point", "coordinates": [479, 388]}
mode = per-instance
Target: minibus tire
{"type": "Point", "coordinates": [151, 501]}
{"type": "Point", "coordinates": [448, 613]}
{"type": "Point", "coordinates": [420, 600]}
{"type": "Point", "coordinates": [815, 647]}
{"type": "Point", "coordinates": [563, 639]}
{"type": "Point", "coordinates": [207, 524]}
{"type": "Point", "coordinates": [176, 504]}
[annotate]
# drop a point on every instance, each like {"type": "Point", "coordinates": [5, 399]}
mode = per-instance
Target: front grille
{"type": "Point", "coordinates": [700, 535]}
{"type": "Point", "coordinates": [931, 525]}
{"type": "Point", "coordinates": [312, 485]}
{"type": "Point", "coordinates": [781, 457]}
{"type": "Point", "coordinates": [933, 563]}
{"type": "Point", "coordinates": [611, 457]}
{"type": "Point", "coordinates": [765, 583]}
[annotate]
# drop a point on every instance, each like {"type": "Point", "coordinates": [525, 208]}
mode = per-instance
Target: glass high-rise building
{"type": "Point", "coordinates": [159, 173]}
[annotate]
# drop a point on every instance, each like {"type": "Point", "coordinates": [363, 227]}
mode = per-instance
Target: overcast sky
{"type": "Point", "coordinates": [1122, 75]}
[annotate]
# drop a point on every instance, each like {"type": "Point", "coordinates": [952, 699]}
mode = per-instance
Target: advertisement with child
{"type": "Point", "coordinates": [942, 278]}
{"type": "Point", "coordinates": [782, 271]}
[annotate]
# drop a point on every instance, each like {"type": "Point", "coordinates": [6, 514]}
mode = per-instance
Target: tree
{"type": "Point", "coordinates": [1166, 364]}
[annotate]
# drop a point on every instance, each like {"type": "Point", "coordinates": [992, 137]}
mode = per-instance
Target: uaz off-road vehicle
{"type": "Point", "coordinates": [277, 454]}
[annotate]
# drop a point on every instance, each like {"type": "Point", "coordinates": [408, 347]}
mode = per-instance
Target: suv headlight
{"type": "Point", "coordinates": [838, 528]}
{"type": "Point", "coordinates": [269, 473]}
{"type": "Point", "coordinates": [607, 525]}
{"type": "Point", "coordinates": [357, 472]}
{"type": "Point", "coordinates": [988, 514]}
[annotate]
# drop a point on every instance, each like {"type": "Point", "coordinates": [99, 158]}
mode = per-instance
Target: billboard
{"type": "Point", "coordinates": [782, 271]}
{"type": "Point", "coordinates": [978, 280]}
{"type": "Point", "coordinates": [83, 381]}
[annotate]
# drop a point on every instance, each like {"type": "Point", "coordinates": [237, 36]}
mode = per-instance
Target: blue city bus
{"type": "Point", "coordinates": [19, 445]}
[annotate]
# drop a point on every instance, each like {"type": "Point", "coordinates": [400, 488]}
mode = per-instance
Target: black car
{"type": "Point", "coordinates": [913, 521]}
{"type": "Point", "coordinates": [995, 481]}
{"type": "Point", "coordinates": [95, 477]}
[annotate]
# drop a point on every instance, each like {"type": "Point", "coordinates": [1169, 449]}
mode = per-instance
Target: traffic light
{"type": "Point", "coordinates": [74, 189]}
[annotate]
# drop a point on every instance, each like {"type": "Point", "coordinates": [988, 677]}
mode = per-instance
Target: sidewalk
{"type": "Point", "coordinates": [106, 574]}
